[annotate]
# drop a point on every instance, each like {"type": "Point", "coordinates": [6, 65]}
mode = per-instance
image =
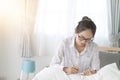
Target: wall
{"type": "Point", "coordinates": [9, 57]}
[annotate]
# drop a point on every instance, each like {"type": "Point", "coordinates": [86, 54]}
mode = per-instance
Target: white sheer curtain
{"type": "Point", "coordinates": [57, 19]}
{"type": "Point", "coordinates": [114, 22]}
{"type": "Point", "coordinates": [26, 28]}
{"type": "Point", "coordinates": [97, 11]}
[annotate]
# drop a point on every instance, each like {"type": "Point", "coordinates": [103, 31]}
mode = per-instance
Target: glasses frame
{"type": "Point", "coordinates": [81, 38]}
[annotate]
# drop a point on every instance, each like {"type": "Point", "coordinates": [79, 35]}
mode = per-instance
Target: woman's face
{"type": "Point", "coordinates": [83, 38]}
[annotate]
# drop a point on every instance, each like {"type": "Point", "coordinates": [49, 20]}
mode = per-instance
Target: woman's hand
{"type": "Point", "coordinates": [71, 70]}
{"type": "Point", "coordinates": [89, 72]}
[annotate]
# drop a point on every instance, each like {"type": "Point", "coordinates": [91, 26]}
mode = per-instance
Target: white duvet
{"type": "Point", "coordinates": [109, 72]}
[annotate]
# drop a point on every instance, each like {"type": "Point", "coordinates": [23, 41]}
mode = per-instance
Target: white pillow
{"type": "Point", "coordinates": [109, 72]}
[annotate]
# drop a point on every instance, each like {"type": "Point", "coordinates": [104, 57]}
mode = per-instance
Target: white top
{"type": "Point", "coordinates": [67, 55]}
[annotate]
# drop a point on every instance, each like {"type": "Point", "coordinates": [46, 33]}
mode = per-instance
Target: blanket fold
{"type": "Point", "coordinates": [52, 73]}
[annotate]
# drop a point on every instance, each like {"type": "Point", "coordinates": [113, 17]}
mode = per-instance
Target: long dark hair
{"type": "Point", "coordinates": [84, 24]}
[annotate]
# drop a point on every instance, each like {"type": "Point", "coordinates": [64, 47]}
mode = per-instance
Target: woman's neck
{"type": "Point", "coordinates": [79, 48]}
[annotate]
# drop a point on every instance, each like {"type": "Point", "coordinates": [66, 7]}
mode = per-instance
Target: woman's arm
{"type": "Point", "coordinates": [58, 57]}
{"type": "Point", "coordinates": [95, 62]}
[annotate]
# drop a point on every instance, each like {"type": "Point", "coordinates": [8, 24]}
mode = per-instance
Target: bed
{"type": "Point", "coordinates": [109, 55]}
{"type": "Point", "coordinates": [110, 68]}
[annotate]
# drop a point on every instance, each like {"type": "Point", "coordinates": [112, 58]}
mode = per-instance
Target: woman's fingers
{"type": "Point", "coordinates": [89, 72]}
{"type": "Point", "coordinates": [71, 70]}
{"type": "Point", "coordinates": [74, 69]}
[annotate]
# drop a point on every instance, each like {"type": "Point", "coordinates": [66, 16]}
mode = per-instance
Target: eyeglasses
{"type": "Point", "coordinates": [81, 38]}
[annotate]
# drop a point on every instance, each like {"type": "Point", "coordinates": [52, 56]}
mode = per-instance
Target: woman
{"type": "Point", "coordinates": [79, 54]}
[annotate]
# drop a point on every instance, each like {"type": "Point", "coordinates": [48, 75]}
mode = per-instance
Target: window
{"type": "Point", "coordinates": [58, 18]}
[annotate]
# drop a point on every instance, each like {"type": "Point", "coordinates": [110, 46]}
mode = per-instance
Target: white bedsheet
{"type": "Point", "coordinates": [109, 72]}
{"type": "Point", "coordinates": [51, 73]}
